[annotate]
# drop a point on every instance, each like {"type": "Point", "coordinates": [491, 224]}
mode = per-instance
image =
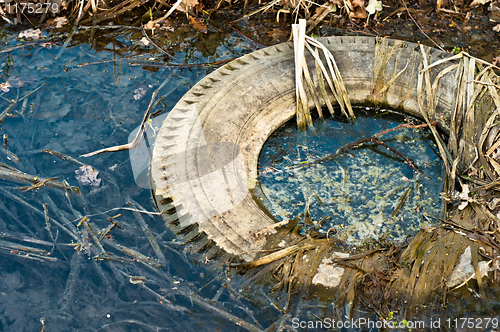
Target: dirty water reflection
{"type": "Point", "coordinates": [367, 192]}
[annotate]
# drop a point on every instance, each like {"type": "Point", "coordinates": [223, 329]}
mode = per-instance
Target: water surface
{"type": "Point", "coordinates": [368, 192]}
{"type": "Point", "coordinates": [76, 108]}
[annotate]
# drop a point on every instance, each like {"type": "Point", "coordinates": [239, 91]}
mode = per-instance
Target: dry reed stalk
{"type": "Point", "coordinates": [140, 132]}
{"type": "Point", "coordinates": [330, 73]}
{"type": "Point", "coordinates": [303, 114]}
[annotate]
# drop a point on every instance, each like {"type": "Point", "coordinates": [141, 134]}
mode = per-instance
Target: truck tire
{"type": "Point", "coordinates": [204, 163]}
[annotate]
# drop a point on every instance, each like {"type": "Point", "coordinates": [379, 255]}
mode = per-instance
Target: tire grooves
{"type": "Point", "coordinates": [212, 250]}
{"type": "Point", "coordinates": [213, 226]}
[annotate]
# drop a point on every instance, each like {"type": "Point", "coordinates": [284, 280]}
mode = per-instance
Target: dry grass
{"type": "Point", "coordinates": [151, 13]}
{"type": "Point", "coordinates": [328, 73]}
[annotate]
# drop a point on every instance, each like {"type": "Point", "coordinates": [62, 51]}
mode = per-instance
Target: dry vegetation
{"type": "Point", "coordinates": [152, 14]}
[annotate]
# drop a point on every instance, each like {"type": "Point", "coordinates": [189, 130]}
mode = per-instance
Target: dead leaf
{"type": "Point", "coordinates": [144, 41]}
{"type": "Point", "coordinates": [479, 2]}
{"type": "Point", "coordinates": [57, 22]}
{"type": "Point", "coordinates": [198, 24]}
{"type": "Point", "coordinates": [30, 33]}
{"type": "Point", "coordinates": [186, 5]}
{"type": "Point", "coordinates": [47, 44]}
{"type": "Point", "coordinates": [358, 10]}
{"type": "Point", "coordinates": [374, 6]}
{"type": "Point", "coordinates": [348, 6]}
{"type": "Point", "coordinates": [358, 3]}
{"type": "Point", "coordinates": [5, 86]}
{"type": "Point", "coordinates": [358, 13]}
{"type": "Point", "coordinates": [60, 21]}
{"type": "Point", "coordinates": [87, 176]}
{"type": "Point", "coordinates": [167, 26]}
{"type": "Point", "coordinates": [151, 25]}
{"type": "Point", "coordinates": [141, 91]}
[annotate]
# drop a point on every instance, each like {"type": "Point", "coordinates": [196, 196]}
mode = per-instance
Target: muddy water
{"type": "Point", "coordinates": [367, 193]}
{"type": "Point", "coordinates": [85, 100]}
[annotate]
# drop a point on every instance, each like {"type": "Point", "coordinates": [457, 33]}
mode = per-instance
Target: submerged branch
{"type": "Point", "coordinates": [377, 141]}
{"type": "Point", "coordinates": [63, 156]}
{"type": "Point", "coordinates": [133, 57]}
{"type": "Point", "coordinates": [176, 65]}
{"type": "Point", "coordinates": [198, 300]}
{"type": "Point", "coordinates": [154, 44]}
{"type": "Point", "coordinates": [405, 125]}
{"type": "Point", "coordinates": [140, 132]}
{"type": "Point", "coordinates": [373, 139]}
{"type": "Point", "coordinates": [11, 174]}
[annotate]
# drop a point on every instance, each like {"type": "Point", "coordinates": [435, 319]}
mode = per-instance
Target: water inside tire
{"type": "Point", "coordinates": [367, 193]}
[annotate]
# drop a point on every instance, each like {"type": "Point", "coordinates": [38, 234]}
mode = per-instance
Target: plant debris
{"type": "Point", "coordinates": [87, 176]}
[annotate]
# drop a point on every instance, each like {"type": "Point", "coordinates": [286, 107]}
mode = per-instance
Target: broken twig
{"type": "Point", "coordinates": [140, 132]}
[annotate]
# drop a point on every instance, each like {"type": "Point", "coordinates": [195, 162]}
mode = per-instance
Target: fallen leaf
{"type": "Point", "coordinates": [144, 41]}
{"type": "Point", "coordinates": [167, 28]}
{"type": "Point", "coordinates": [199, 25]}
{"type": "Point", "coordinates": [151, 25]}
{"type": "Point", "coordinates": [464, 195]}
{"type": "Point", "coordinates": [348, 6]}
{"type": "Point", "coordinates": [358, 9]}
{"type": "Point", "coordinates": [30, 33]}
{"type": "Point", "coordinates": [479, 2]}
{"type": "Point", "coordinates": [5, 86]}
{"type": "Point", "coordinates": [87, 176]}
{"type": "Point", "coordinates": [374, 6]}
{"type": "Point", "coordinates": [60, 21]}
{"type": "Point", "coordinates": [19, 81]}
{"type": "Point", "coordinates": [57, 22]}
{"type": "Point", "coordinates": [187, 5]}
{"type": "Point", "coordinates": [358, 3]}
{"type": "Point", "coordinates": [140, 92]}
{"type": "Point", "coordinates": [47, 45]}
{"type": "Point", "coordinates": [496, 28]}
{"type": "Point", "coordinates": [358, 13]}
